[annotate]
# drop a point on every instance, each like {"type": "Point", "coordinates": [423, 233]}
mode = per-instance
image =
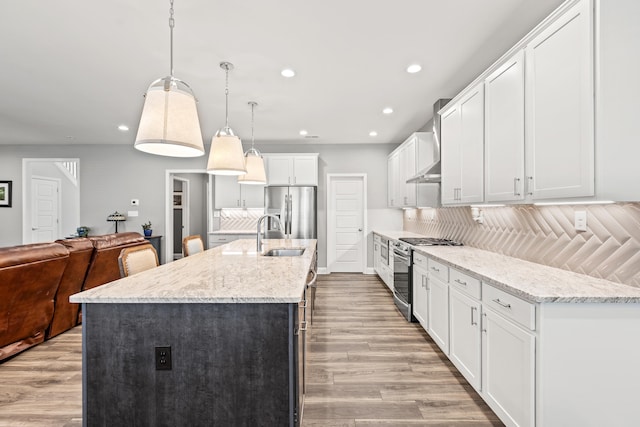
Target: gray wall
{"type": "Point", "coordinates": [112, 175]}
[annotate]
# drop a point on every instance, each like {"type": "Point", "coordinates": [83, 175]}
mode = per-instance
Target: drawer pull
{"type": "Point", "coordinates": [505, 305]}
{"type": "Point", "coordinates": [303, 325]}
{"type": "Point", "coordinates": [484, 322]}
{"type": "Point", "coordinates": [473, 321]}
{"type": "Point", "coordinates": [460, 282]}
{"type": "Point", "coordinates": [437, 270]}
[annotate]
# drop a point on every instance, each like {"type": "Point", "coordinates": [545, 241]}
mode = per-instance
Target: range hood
{"type": "Point", "coordinates": [431, 173]}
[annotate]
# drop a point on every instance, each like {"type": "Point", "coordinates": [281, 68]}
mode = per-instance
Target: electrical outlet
{"type": "Point", "coordinates": [580, 220]}
{"type": "Point", "coordinates": [163, 358]}
{"type": "Point", "coordinates": [135, 202]}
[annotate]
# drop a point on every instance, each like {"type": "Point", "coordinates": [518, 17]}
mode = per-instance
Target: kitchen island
{"type": "Point", "coordinates": [211, 339]}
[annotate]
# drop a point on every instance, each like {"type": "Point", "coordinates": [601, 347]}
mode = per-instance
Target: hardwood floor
{"type": "Point", "coordinates": [367, 367]}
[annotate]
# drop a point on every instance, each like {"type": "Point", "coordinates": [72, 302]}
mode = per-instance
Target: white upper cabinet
{"type": "Point", "coordinates": [462, 133]}
{"type": "Point", "coordinates": [504, 121]}
{"type": "Point", "coordinates": [560, 107]}
{"type": "Point", "coordinates": [414, 154]}
{"type": "Point", "coordinates": [291, 169]}
{"type": "Point", "coordinates": [230, 194]}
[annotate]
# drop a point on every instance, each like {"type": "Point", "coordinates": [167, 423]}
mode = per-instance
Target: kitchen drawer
{"type": "Point", "coordinates": [222, 238]}
{"type": "Point", "coordinates": [439, 270]}
{"type": "Point", "coordinates": [514, 308]}
{"type": "Point", "coordinates": [419, 259]}
{"type": "Point", "coordinates": [465, 283]}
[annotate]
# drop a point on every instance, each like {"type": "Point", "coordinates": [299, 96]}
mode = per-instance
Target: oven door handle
{"type": "Point", "coordinates": [402, 256]}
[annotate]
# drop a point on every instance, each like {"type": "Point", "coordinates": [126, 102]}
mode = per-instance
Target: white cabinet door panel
{"type": "Point", "coordinates": [472, 147]}
{"type": "Point", "coordinates": [439, 313]}
{"type": "Point", "coordinates": [508, 369]}
{"type": "Point", "coordinates": [560, 107]}
{"type": "Point", "coordinates": [465, 338]}
{"type": "Point", "coordinates": [504, 149]}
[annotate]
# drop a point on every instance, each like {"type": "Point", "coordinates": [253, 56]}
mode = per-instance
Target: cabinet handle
{"type": "Point", "coordinates": [484, 322]}
{"type": "Point", "coordinates": [294, 180]}
{"type": "Point", "coordinates": [473, 322]}
{"type": "Point", "coordinates": [405, 200]}
{"type": "Point", "coordinates": [515, 186]}
{"type": "Point", "coordinates": [244, 203]}
{"type": "Point", "coordinates": [459, 193]}
{"type": "Point", "coordinates": [460, 282]}
{"type": "Point", "coordinates": [530, 185]}
{"type": "Point", "coordinates": [437, 270]}
{"type": "Point", "coordinates": [238, 203]}
{"type": "Point", "coordinates": [303, 325]}
{"type": "Point", "coordinates": [424, 284]}
{"type": "Point", "coordinates": [505, 305]}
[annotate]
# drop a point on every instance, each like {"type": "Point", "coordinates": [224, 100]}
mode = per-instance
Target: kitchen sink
{"type": "Point", "coordinates": [284, 252]}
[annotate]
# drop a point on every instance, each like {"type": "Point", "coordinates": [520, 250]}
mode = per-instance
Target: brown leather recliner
{"type": "Point", "coordinates": [65, 315]}
{"type": "Point", "coordinates": [104, 263]}
{"type": "Point", "coordinates": [29, 279]}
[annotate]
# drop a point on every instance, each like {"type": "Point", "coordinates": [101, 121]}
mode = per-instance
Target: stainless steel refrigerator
{"type": "Point", "coordinates": [297, 209]}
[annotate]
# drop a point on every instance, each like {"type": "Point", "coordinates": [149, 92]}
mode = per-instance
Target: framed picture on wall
{"type": "Point", "coordinates": [5, 194]}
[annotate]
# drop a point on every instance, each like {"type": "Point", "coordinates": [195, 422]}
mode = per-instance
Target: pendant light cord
{"type": "Point", "coordinates": [172, 23]}
{"type": "Point", "coordinates": [253, 104]}
{"type": "Point", "coordinates": [226, 98]}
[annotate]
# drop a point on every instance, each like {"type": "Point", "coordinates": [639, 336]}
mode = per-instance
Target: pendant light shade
{"type": "Point", "coordinates": [169, 125]}
{"type": "Point", "coordinates": [226, 156]}
{"type": "Point", "coordinates": [255, 169]}
{"type": "Point", "coordinates": [254, 161]}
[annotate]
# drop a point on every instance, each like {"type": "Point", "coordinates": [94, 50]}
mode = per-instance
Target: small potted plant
{"type": "Point", "coordinates": [147, 229]}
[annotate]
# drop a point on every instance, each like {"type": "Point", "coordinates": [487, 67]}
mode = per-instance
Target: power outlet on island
{"type": "Point", "coordinates": [163, 358]}
{"type": "Point", "coordinates": [580, 220]}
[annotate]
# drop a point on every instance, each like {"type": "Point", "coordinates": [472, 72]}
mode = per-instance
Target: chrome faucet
{"type": "Point", "coordinates": [260, 220]}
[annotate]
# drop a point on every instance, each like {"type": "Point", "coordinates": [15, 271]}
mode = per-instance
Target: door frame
{"type": "Point", "coordinates": [168, 211]}
{"type": "Point", "coordinates": [26, 193]}
{"type": "Point", "coordinates": [186, 209]}
{"type": "Point", "coordinates": [331, 220]}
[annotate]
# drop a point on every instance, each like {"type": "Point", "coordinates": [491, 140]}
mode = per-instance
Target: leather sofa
{"type": "Point", "coordinates": [29, 279]}
{"type": "Point", "coordinates": [36, 281]}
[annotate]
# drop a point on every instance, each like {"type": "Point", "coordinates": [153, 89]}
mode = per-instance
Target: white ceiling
{"type": "Point", "coordinates": [73, 70]}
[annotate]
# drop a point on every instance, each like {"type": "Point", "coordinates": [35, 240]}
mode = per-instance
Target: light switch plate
{"type": "Point", "coordinates": [580, 220]}
{"type": "Point", "coordinates": [132, 213]}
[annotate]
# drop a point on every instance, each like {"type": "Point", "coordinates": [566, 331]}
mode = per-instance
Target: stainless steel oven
{"type": "Point", "coordinates": [402, 278]}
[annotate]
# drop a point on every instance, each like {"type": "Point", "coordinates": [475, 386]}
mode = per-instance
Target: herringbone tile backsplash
{"type": "Point", "coordinates": [609, 249]}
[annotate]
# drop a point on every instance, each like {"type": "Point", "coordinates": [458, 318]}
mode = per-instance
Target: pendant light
{"type": "Point", "coordinates": [253, 160]}
{"type": "Point", "coordinates": [226, 156]}
{"type": "Point", "coordinates": [169, 125]}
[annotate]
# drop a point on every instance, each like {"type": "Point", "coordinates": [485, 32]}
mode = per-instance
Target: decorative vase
{"type": "Point", "coordinates": [147, 232]}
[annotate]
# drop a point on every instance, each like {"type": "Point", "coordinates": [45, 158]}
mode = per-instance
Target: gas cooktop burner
{"type": "Point", "coordinates": [429, 241]}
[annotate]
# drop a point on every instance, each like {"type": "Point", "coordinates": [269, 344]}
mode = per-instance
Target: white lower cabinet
{"type": "Point", "coordinates": [216, 240]}
{"type": "Point", "coordinates": [420, 305]}
{"type": "Point", "coordinates": [438, 310]}
{"type": "Point", "coordinates": [508, 365]}
{"type": "Point", "coordinates": [465, 336]}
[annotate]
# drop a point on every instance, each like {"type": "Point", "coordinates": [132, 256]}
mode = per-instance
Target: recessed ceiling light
{"type": "Point", "coordinates": [388, 110]}
{"type": "Point", "coordinates": [303, 132]}
{"type": "Point", "coordinates": [373, 133]}
{"type": "Point", "coordinates": [123, 128]}
{"type": "Point", "coordinates": [288, 72]}
{"type": "Point", "coordinates": [414, 68]}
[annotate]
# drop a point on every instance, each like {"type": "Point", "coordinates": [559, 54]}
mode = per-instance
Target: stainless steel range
{"type": "Point", "coordinates": [429, 241]}
{"type": "Point", "coordinates": [402, 271]}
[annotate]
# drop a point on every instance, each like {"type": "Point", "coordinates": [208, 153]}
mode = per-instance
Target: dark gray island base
{"type": "Point", "coordinates": [231, 364]}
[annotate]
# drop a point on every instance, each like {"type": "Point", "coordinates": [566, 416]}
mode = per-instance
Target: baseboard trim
{"type": "Point", "coordinates": [369, 270]}
{"type": "Point", "coordinates": [323, 270]}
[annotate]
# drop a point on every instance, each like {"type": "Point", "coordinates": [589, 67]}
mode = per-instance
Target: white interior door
{"type": "Point", "coordinates": [346, 223]}
{"type": "Point", "coordinates": [45, 221]}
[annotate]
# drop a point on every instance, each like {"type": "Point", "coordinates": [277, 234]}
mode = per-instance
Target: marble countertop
{"type": "Point", "coordinates": [396, 235]}
{"type": "Point", "coordinates": [234, 232]}
{"type": "Point", "coordinates": [232, 273]}
{"type": "Point", "coordinates": [528, 280]}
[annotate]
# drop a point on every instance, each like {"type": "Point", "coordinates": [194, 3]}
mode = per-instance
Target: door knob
{"type": "Point", "coordinates": [359, 229]}
{"type": "Point", "coordinates": [33, 229]}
